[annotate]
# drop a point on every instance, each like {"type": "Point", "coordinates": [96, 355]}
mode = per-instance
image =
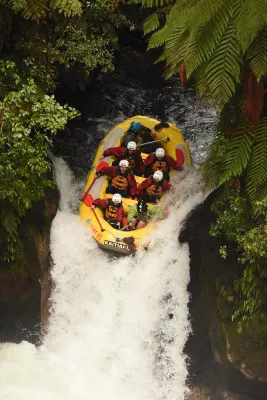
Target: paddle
{"type": "Point", "coordinates": [101, 165]}
{"type": "Point", "coordinates": [89, 202]}
{"type": "Point", "coordinates": [167, 139]}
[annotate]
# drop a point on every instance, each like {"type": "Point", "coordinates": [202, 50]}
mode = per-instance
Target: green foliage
{"type": "Point", "coordinates": [151, 23]}
{"type": "Point", "coordinates": [257, 55]}
{"type": "Point", "coordinates": [234, 215]}
{"type": "Point", "coordinates": [213, 39]}
{"type": "Point", "coordinates": [39, 39]}
{"type": "Point", "coordinates": [257, 168]}
{"type": "Point", "coordinates": [44, 34]}
{"type": "Point", "coordinates": [29, 119]}
{"type": "Point", "coordinates": [247, 228]}
{"type": "Point", "coordinates": [71, 46]}
{"type": "Point", "coordinates": [41, 8]}
{"type": "Point", "coordinates": [236, 154]}
{"type": "Point", "coordinates": [211, 169]}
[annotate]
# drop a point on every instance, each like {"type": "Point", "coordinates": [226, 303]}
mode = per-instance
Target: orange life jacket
{"type": "Point", "coordinates": [111, 211]}
{"type": "Point", "coordinates": [160, 165]}
{"type": "Point", "coordinates": [120, 181]}
{"type": "Point", "coordinates": [155, 189]}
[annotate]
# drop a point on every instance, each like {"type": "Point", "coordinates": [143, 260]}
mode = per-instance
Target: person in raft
{"type": "Point", "coordinates": [141, 134]}
{"type": "Point", "coordinates": [112, 209]}
{"type": "Point", "coordinates": [153, 188]}
{"type": "Point", "coordinates": [130, 153]}
{"type": "Point", "coordinates": [122, 179]}
{"type": "Point", "coordinates": [141, 213]}
{"type": "Point", "coordinates": [161, 162]}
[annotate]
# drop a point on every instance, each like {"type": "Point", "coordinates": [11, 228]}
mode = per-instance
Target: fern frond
{"type": "Point", "coordinates": [203, 11]}
{"type": "Point", "coordinates": [204, 39]}
{"type": "Point", "coordinates": [257, 168]}
{"type": "Point", "coordinates": [174, 51]}
{"type": "Point", "coordinates": [257, 54]}
{"type": "Point", "coordinates": [260, 194]}
{"type": "Point", "coordinates": [223, 68]}
{"type": "Point", "coordinates": [211, 168]}
{"type": "Point", "coordinates": [159, 38]}
{"type": "Point", "coordinates": [249, 21]}
{"type": "Point", "coordinates": [237, 154]}
{"type": "Point", "coordinates": [151, 23]}
{"type": "Point", "coordinates": [201, 81]}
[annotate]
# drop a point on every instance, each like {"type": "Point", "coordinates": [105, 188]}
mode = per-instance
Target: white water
{"type": "Point", "coordinates": [109, 336]}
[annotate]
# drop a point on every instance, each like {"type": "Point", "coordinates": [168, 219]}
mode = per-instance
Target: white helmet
{"type": "Point", "coordinates": [124, 163]}
{"type": "Point", "coordinates": [158, 175]}
{"type": "Point", "coordinates": [116, 198]}
{"type": "Point", "coordinates": [160, 152]}
{"type": "Point", "coordinates": [131, 146]}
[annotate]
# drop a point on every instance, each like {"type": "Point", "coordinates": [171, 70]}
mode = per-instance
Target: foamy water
{"type": "Point", "coordinates": [110, 333]}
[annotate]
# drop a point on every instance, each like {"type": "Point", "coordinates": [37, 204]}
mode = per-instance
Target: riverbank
{"type": "Point", "coordinates": [211, 375]}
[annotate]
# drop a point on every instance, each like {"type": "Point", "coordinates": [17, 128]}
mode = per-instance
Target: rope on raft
{"type": "Point", "coordinates": [116, 237]}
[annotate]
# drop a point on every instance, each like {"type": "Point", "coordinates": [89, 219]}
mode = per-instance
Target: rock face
{"type": "Point", "coordinates": [42, 241]}
{"type": "Point", "coordinates": [223, 363]}
{"type": "Point", "coordinates": [25, 287]}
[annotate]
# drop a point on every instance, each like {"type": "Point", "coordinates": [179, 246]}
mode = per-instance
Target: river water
{"type": "Point", "coordinates": [118, 325]}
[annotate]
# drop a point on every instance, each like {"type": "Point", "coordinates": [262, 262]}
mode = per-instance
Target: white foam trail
{"type": "Point", "coordinates": [110, 335]}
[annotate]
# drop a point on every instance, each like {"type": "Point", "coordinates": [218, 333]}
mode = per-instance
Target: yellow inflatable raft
{"type": "Point", "coordinates": [107, 237]}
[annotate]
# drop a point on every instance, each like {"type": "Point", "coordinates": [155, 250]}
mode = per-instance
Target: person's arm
{"type": "Point", "coordinates": [149, 159]}
{"type": "Point", "coordinates": [141, 164]}
{"type": "Point", "coordinates": [132, 214]}
{"type": "Point", "coordinates": [110, 171]}
{"type": "Point", "coordinates": [142, 187]}
{"type": "Point", "coordinates": [166, 186]}
{"type": "Point", "coordinates": [174, 164]}
{"type": "Point", "coordinates": [115, 151]}
{"type": "Point", "coordinates": [120, 214]}
{"type": "Point", "coordinates": [102, 203]}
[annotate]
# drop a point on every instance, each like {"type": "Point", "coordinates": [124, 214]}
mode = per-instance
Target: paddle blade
{"type": "Point", "coordinates": [101, 165]}
{"type": "Point", "coordinates": [88, 199]}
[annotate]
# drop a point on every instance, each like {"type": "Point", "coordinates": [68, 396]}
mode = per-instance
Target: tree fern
{"type": "Point", "coordinates": [158, 38]}
{"type": "Point", "coordinates": [211, 168]}
{"type": "Point", "coordinates": [151, 23]}
{"type": "Point", "coordinates": [223, 69]}
{"type": "Point", "coordinates": [203, 11]}
{"type": "Point", "coordinates": [257, 168]}
{"type": "Point", "coordinates": [204, 39]}
{"type": "Point", "coordinates": [174, 51]}
{"type": "Point", "coordinates": [257, 54]}
{"type": "Point", "coordinates": [249, 21]}
{"type": "Point", "coordinates": [237, 154]}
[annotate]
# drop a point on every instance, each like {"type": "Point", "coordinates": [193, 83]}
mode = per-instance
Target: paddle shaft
{"type": "Point", "coordinates": [87, 191]}
{"type": "Point", "coordinates": [154, 141]}
{"type": "Point", "coordinates": [99, 223]}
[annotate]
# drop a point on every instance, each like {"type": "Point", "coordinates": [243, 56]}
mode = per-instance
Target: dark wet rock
{"type": "Point", "coordinates": [26, 286]}
{"type": "Point", "coordinates": [213, 374]}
